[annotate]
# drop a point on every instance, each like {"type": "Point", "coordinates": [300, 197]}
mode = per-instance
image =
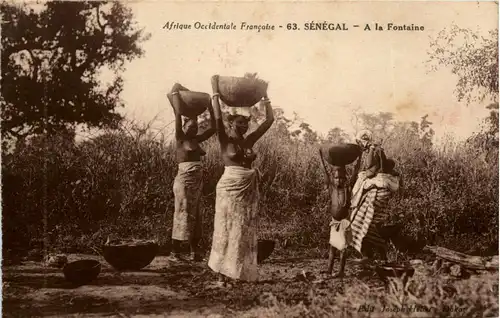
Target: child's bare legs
{"type": "Point", "coordinates": [331, 260]}
{"type": "Point", "coordinates": [343, 258]}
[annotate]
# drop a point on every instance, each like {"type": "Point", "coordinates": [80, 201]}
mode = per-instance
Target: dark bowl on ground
{"type": "Point", "coordinates": [82, 272]}
{"type": "Point", "coordinates": [264, 249]}
{"type": "Point", "coordinates": [132, 257]}
{"type": "Point", "coordinates": [394, 270]}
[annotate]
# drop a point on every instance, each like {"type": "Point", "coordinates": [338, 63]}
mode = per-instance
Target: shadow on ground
{"type": "Point", "coordinates": [33, 290]}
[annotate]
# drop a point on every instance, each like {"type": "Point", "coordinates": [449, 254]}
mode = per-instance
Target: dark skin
{"type": "Point", "coordinates": [186, 136]}
{"type": "Point", "coordinates": [235, 146]}
{"type": "Point", "coordinates": [374, 166]}
{"type": "Point", "coordinates": [188, 149]}
{"type": "Point", "coordinates": [339, 191]}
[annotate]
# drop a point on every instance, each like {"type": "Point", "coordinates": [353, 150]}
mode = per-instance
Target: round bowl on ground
{"type": "Point", "coordinates": [241, 91]}
{"type": "Point", "coordinates": [193, 104]}
{"type": "Point", "coordinates": [82, 272]}
{"type": "Point", "coordinates": [343, 154]}
{"type": "Point", "coordinates": [264, 249]}
{"type": "Point", "coordinates": [130, 256]}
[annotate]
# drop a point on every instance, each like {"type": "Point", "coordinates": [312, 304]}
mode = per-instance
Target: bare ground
{"type": "Point", "coordinates": [166, 289]}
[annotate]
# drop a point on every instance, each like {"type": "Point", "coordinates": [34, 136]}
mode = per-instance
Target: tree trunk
{"type": "Point", "coordinates": [468, 261]}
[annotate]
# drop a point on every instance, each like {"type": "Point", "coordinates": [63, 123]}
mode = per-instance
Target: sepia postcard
{"type": "Point", "coordinates": [249, 158]}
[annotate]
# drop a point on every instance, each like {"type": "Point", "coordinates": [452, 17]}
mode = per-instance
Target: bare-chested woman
{"type": "Point", "coordinates": [188, 182]}
{"type": "Point", "coordinates": [234, 243]}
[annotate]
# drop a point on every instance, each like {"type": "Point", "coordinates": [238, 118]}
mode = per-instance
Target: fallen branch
{"type": "Point", "coordinates": [467, 261]}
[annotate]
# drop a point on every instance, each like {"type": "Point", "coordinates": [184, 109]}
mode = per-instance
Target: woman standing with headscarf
{"type": "Point", "coordinates": [370, 195]}
{"type": "Point", "coordinates": [188, 182]}
{"type": "Point", "coordinates": [234, 242]}
{"type": "Point", "coordinates": [372, 158]}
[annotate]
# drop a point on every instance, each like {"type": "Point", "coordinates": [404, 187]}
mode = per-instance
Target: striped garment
{"type": "Point", "coordinates": [371, 210]}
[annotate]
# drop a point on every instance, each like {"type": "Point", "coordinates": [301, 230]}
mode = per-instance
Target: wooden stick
{"type": "Point", "coordinates": [468, 261]}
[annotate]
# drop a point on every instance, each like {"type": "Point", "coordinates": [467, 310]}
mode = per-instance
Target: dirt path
{"type": "Point", "coordinates": [162, 288]}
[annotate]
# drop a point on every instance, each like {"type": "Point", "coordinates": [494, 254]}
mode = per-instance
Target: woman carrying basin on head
{"type": "Point", "coordinates": [187, 188]}
{"type": "Point", "coordinates": [234, 243]}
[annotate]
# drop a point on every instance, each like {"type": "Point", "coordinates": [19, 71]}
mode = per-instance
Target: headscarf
{"type": "Point", "coordinates": [364, 135]}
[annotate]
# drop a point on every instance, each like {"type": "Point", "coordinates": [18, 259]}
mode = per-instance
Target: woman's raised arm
{"type": "Point", "coordinates": [176, 104]}
{"type": "Point", "coordinates": [261, 130]}
{"type": "Point", "coordinates": [327, 176]}
{"type": "Point", "coordinates": [219, 123]}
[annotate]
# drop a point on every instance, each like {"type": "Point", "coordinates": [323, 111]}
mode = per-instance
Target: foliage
{"type": "Point", "coordinates": [380, 124]}
{"type": "Point", "coordinates": [473, 58]}
{"type": "Point", "coordinates": [121, 182]}
{"type": "Point", "coordinates": [422, 297]}
{"type": "Point", "coordinates": [492, 120]}
{"type": "Point", "coordinates": [52, 60]}
{"type": "Point", "coordinates": [336, 135]}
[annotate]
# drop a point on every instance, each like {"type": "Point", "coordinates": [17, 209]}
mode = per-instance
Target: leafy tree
{"type": "Point", "coordinates": [426, 132]}
{"type": "Point", "coordinates": [409, 129]}
{"type": "Point", "coordinates": [51, 62]}
{"type": "Point", "coordinates": [336, 135]}
{"type": "Point", "coordinates": [309, 135]}
{"type": "Point", "coordinates": [486, 140]}
{"type": "Point", "coordinates": [405, 134]}
{"type": "Point", "coordinates": [385, 128]}
{"type": "Point", "coordinates": [472, 57]}
{"type": "Point", "coordinates": [380, 124]}
{"type": "Point", "coordinates": [492, 121]}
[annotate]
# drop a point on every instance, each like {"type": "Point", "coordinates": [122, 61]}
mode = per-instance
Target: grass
{"type": "Point", "coordinates": [68, 197]}
{"type": "Point", "coordinates": [76, 194]}
{"type": "Point", "coordinates": [421, 297]}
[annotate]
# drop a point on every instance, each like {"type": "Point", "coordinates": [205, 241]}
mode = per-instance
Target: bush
{"type": "Point", "coordinates": [73, 195]}
{"type": "Point", "coordinates": [422, 297]}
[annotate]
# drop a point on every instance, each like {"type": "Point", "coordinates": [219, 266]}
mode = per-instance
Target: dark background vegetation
{"type": "Point", "coordinates": [61, 194]}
